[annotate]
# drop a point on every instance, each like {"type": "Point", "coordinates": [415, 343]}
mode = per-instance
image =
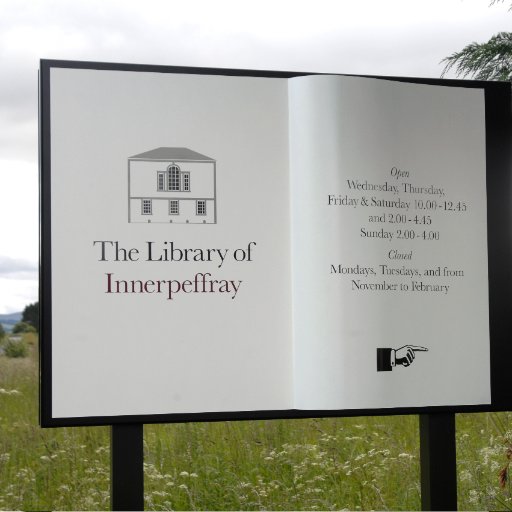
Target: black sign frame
{"type": "Point", "coordinates": [498, 125]}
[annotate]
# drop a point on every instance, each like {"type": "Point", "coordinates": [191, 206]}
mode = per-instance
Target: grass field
{"type": "Point", "coordinates": [317, 464]}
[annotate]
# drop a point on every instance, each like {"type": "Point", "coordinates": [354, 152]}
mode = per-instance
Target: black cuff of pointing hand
{"type": "Point", "coordinates": [384, 360]}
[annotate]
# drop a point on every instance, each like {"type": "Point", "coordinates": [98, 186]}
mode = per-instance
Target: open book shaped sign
{"type": "Point", "coordinates": [231, 244]}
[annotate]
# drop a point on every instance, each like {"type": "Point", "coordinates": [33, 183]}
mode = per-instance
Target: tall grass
{"type": "Point", "coordinates": [483, 441]}
{"type": "Point", "coordinates": [317, 464]}
{"type": "Point", "coordinates": [322, 464]}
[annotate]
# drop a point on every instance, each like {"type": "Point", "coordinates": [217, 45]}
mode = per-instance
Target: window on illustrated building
{"type": "Point", "coordinates": [173, 176]}
{"type": "Point", "coordinates": [186, 181]}
{"type": "Point", "coordinates": [160, 185]}
{"type": "Point", "coordinates": [201, 207]}
{"type": "Point", "coordinates": [174, 207]}
{"type": "Point", "coordinates": [173, 180]}
{"type": "Point", "coordinates": [146, 207]}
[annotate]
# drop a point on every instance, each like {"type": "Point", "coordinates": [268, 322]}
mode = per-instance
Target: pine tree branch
{"type": "Point", "coordinates": [483, 61]}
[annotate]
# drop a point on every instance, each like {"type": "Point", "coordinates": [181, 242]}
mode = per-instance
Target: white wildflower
{"type": "Point", "coordinates": [495, 466]}
{"type": "Point", "coordinates": [9, 392]}
{"type": "Point", "coordinates": [465, 476]}
{"type": "Point", "coordinates": [473, 496]}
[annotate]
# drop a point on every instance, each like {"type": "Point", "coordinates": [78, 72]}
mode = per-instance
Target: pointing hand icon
{"type": "Point", "coordinates": [388, 358]}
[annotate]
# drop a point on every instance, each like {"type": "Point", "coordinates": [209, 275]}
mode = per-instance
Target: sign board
{"type": "Point", "coordinates": [228, 244]}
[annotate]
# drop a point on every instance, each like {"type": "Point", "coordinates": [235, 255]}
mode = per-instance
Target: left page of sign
{"type": "Point", "coordinates": [170, 243]}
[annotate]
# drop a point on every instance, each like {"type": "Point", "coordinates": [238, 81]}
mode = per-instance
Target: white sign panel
{"type": "Point", "coordinates": [222, 244]}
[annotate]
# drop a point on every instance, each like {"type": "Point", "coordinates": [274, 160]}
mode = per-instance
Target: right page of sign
{"type": "Point", "coordinates": [390, 280]}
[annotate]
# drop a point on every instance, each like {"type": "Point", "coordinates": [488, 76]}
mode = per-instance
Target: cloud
{"type": "Point", "coordinates": [16, 294]}
{"type": "Point", "coordinates": [11, 268]}
{"type": "Point", "coordinates": [18, 284]}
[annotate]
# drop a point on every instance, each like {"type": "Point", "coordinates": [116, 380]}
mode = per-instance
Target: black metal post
{"type": "Point", "coordinates": [438, 462]}
{"type": "Point", "coordinates": [127, 467]}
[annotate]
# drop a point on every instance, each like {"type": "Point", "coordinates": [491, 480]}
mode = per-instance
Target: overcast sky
{"type": "Point", "coordinates": [391, 37]}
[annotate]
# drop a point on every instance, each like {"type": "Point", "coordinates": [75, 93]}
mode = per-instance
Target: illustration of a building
{"type": "Point", "coordinates": [174, 185]}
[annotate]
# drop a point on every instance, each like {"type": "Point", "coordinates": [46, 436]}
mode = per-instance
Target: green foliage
{"type": "Point", "coordinates": [483, 61]}
{"type": "Point", "coordinates": [15, 348]}
{"type": "Point", "coordinates": [30, 315]}
{"type": "Point", "coordinates": [483, 456]}
{"type": "Point", "coordinates": [22, 327]}
{"type": "Point", "coordinates": [2, 332]}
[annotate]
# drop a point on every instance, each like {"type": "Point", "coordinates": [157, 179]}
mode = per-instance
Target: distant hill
{"type": "Point", "coordinates": [9, 320]}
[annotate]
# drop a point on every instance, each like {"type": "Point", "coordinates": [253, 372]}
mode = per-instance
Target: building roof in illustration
{"type": "Point", "coordinates": [172, 154]}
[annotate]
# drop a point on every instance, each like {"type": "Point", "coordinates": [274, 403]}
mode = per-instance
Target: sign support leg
{"type": "Point", "coordinates": [438, 462]}
{"type": "Point", "coordinates": [127, 467]}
